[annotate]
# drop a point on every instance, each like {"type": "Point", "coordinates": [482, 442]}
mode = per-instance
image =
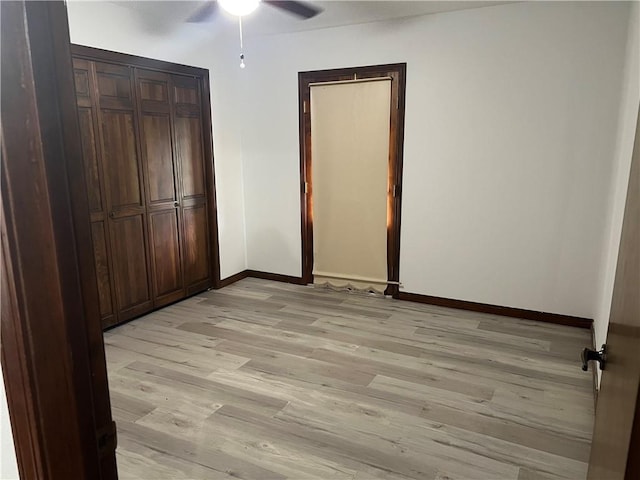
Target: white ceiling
{"type": "Point", "coordinates": [158, 15]}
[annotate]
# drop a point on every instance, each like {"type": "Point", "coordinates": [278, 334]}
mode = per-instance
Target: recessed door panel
{"type": "Point", "coordinates": [165, 245]}
{"type": "Point", "coordinates": [196, 251]}
{"type": "Point", "coordinates": [114, 85]}
{"type": "Point", "coordinates": [185, 91]}
{"type": "Point", "coordinates": [159, 159]}
{"type": "Point", "coordinates": [98, 235]}
{"type": "Point", "coordinates": [153, 90]}
{"type": "Point", "coordinates": [81, 80]}
{"type": "Point", "coordinates": [120, 159]}
{"type": "Point", "coordinates": [129, 261]}
{"type": "Point", "coordinates": [90, 157]}
{"type": "Point", "coordinates": [187, 96]}
{"type": "Point", "coordinates": [189, 154]}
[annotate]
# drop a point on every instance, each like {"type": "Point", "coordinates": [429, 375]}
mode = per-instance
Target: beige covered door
{"type": "Point", "coordinates": [350, 129]}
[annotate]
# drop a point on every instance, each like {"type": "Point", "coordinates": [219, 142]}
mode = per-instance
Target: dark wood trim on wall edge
{"type": "Point", "coordinates": [398, 73]}
{"type": "Point", "coordinates": [225, 282]}
{"type": "Point", "coordinates": [513, 312]}
{"type": "Point", "coordinates": [110, 56]}
{"type": "Point", "coordinates": [276, 277]}
{"type": "Point", "coordinates": [556, 318]}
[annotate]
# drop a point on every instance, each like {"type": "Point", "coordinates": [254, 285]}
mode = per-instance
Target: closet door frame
{"type": "Point", "coordinates": [398, 74]}
{"type": "Point", "coordinates": [202, 75]}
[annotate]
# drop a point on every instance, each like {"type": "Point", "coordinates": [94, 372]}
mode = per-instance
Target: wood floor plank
{"type": "Point", "coordinates": [248, 338]}
{"type": "Point", "coordinates": [128, 408]}
{"type": "Point", "coordinates": [266, 453]}
{"type": "Point", "coordinates": [183, 354]}
{"type": "Point", "coordinates": [267, 380]}
{"type": "Point", "coordinates": [325, 443]}
{"type": "Point", "coordinates": [218, 393]}
{"type": "Point", "coordinates": [310, 341]}
{"type": "Point", "coordinates": [536, 415]}
{"type": "Point", "coordinates": [415, 375]}
{"type": "Point", "coordinates": [200, 454]}
{"type": "Point", "coordinates": [137, 461]}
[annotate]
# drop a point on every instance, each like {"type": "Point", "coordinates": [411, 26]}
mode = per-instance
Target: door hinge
{"type": "Point", "coordinates": [306, 187]}
{"type": "Point", "coordinates": [304, 107]}
{"type": "Point", "coordinates": [395, 191]}
{"type": "Point", "coordinates": [107, 440]}
{"type": "Point", "coordinates": [600, 357]}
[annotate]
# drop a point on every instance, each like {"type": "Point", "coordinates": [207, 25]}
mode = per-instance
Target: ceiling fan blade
{"type": "Point", "coordinates": [301, 9]}
{"type": "Point", "coordinates": [204, 13]}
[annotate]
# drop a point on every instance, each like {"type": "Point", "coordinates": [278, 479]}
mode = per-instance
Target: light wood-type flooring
{"type": "Point", "coordinates": [265, 380]}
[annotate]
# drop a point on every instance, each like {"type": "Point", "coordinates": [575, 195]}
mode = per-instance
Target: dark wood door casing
{"type": "Point", "coordinates": [58, 398]}
{"type": "Point", "coordinates": [154, 165]}
{"type": "Point", "coordinates": [398, 73]}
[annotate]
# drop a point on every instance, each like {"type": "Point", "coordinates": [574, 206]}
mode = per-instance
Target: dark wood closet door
{"type": "Point", "coordinates": [161, 179]}
{"type": "Point", "coordinates": [84, 74]}
{"type": "Point", "coordinates": [189, 154]}
{"type": "Point", "coordinates": [125, 192]}
{"type": "Point", "coordinates": [146, 137]}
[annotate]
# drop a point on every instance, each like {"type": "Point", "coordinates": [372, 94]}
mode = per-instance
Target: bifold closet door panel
{"type": "Point", "coordinates": [163, 208]}
{"type": "Point", "coordinates": [161, 179]}
{"type": "Point", "coordinates": [97, 213]}
{"type": "Point", "coordinates": [189, 154]}
{"type": "Point", "coordinates": [122, 169]}
{"type": "Point", "coordinates": [89, 133]}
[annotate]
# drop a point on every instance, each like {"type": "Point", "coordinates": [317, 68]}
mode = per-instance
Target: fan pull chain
{"type": "Point", "coordinates": [241, 46]}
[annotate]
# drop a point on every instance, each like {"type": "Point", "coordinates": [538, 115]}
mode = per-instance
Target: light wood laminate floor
{"type": "Point", "coordinates": [264, 380]}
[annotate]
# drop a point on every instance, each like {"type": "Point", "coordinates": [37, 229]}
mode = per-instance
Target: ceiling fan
{"type": "Point", "coordinates": [303, 10]}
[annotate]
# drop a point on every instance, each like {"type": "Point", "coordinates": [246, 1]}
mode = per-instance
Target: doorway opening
{"type": "Point", "coordinates": [393, 75]}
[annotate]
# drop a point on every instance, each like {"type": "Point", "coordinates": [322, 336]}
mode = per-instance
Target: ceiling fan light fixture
{"type": "Point", "coordinates": [239, 7]}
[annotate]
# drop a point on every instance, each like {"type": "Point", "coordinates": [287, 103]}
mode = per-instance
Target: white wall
{"type": "Point", "coordinates": [8, 464]}
{"type": "Point", "coordinates": [510, 133]}
{"type": "Point", "coordinates": [628, 117]}
{"type": "Point", "coordinates": [511, 121]}
{"type": "Point", "coordinates": [113, 27]}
